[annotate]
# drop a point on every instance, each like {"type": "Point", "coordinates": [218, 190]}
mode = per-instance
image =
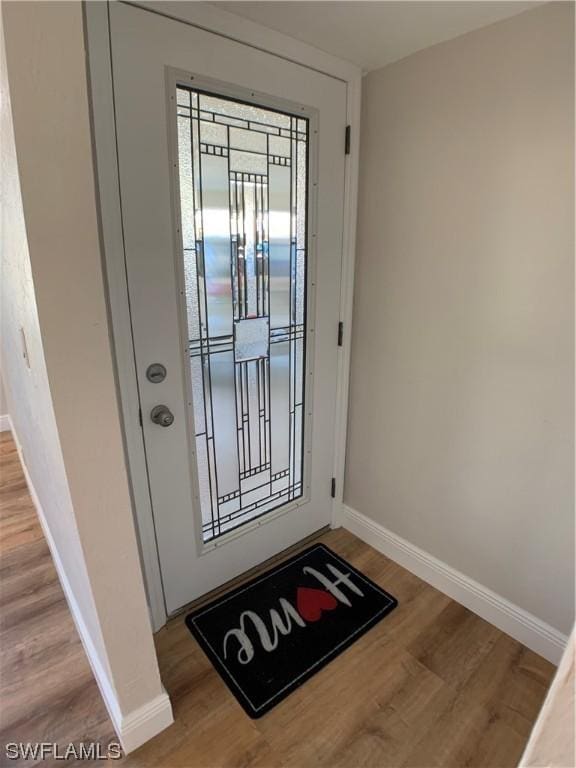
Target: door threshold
{"type": "Point", "coordinates": [250, 574]}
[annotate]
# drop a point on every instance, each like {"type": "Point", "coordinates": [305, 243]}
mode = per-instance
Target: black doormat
{"type": "Point", "coordinates": [271, 634]}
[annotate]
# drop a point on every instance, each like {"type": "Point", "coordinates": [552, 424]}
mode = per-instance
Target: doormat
{"type": "Point", "coordinates": [271, 634]}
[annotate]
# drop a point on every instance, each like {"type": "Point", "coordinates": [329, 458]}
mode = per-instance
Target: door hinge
{"type": "Point", "coordinates": [333, 488]}
{"type": "Point", "coordinates": [340, 333]}
{"type": "Point", "coordinates": [140, 416]}
{"type": "Point", "coordinates": [347, 141]}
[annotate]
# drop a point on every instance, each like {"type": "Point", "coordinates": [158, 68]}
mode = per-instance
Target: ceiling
{"type": "Point", "coordinates": [373, 34]}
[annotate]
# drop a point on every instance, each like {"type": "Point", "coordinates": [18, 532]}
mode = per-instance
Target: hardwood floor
{"type": "Point", "coordinates": [47, 690]}
{"type": "Point", "coordinates": [431, 685]}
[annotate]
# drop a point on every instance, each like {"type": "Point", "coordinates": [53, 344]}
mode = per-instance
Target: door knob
{"type": "Point", "coordinates": [162, 415]}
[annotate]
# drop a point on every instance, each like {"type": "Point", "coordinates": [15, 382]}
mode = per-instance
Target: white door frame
{"type": "Point", "coordinates": [100, 89]}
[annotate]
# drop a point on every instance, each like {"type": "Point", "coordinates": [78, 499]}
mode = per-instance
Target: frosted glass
{"type": "Point", "coordinates": [191, 285]}
{"type": "Point", "coordinates": [251, 338]}
{"type": "Point", "coordinates": [244, 111]}
{"type": "Point", "coordinates": [197, 375]}
{"type": "Point", "coordinates": [249, 140]}
{"type": "Point", "coordinates": [183, 97]}
{"type": "Point", "coordinates": [212, 133]}
{"type": "Point", "coordinates": [247, 162]}
{"type": "Point", "coordinates": [256, 454]}
{"type": "Point", "coordinates": [216, 252]}
{"type": "Point", "coordinates": [204, 483]}
{"type": "Point", "coordinates": [224, 409]}
{"type": "Point", "coordinates": [280, 404]}
{"type": "Point", "coordinates": [186, 183]}
{"type": "Point", "coordinates": [301, 186]}
{"type": "Point", "coordinates": [279, 146]}
{"type": "Point", "coordinates": [249, 250]}
{"type": "Point", "coordinates": [279, 244]}
{"type": "Point", "coordinates": [243, 203]}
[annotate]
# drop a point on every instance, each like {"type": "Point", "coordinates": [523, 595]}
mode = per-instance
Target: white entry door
{"type": "Point", "coordinates": [231, 165]}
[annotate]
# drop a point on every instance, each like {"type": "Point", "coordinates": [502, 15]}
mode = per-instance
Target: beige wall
{"type": "Point", "coordinates": [64, 407]}
{"type": "Point", "coordinates": [461, 425]}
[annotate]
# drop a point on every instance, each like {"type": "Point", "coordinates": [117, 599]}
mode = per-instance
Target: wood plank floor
{"type": "Point", "coordinates": [47, 690]}
{"type": "Point", "coordinates": [431, 685]}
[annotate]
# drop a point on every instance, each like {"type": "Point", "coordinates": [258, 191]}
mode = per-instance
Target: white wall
{"type": "Point", "coordinates": [461, 425]}
{"type": "Point", "coordinates": [27, 388]}
{"type": "Point", "coordinates": [4, 423]}
{"type": "Point", "coordinates": [64, 406]}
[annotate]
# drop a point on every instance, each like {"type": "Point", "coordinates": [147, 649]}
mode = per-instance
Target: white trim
{"type": "Point", "coordinates": [552, 714]}
{"type": "Point", "coordinates": [137, 727]}
{"type": "Point", "coordinates": [5, 425]}
{"type": "Point", "coordinates": [144, 723]}
{"type": "Point", "coordinates": [353, 98]}
{"type": "Point", "coordinates": [173, 78]}
{"type": "Point", "coordinates": [229, 25]}
{"type": "Point", "coordinates": [110, 216]}
{"type": "Point", "coordinates": [213, 19]}
{"type": "Point", "coordinates": [515, 621]}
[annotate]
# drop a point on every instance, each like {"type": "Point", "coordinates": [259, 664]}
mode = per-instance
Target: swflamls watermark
{"type": "Point", "coordinates": [89, 750]}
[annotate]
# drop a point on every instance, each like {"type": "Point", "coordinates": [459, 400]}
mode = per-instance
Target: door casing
{"type": "Point", "coordinates": [110, 220]}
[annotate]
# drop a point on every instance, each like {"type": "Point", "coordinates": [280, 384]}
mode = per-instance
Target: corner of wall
{"type": "Point", "coordinates": [511, 619]}
{"type": "Point", "coordinates": [61, 438]}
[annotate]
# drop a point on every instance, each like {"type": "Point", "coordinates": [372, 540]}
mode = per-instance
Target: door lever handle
{"type": "Point", "coordinates": [162, 415]}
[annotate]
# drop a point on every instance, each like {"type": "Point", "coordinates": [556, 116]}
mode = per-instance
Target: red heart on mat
{"type": "Point", "coordinates": [311, 603]}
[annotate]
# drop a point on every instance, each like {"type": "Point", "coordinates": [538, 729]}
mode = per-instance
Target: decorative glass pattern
{"type": "Point", "coordinates": [243, 196]}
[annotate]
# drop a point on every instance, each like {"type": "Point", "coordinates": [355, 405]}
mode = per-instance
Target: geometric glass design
{"type": "Point", "coordinates": [243, 178]}
{"type": "Point", "coordinates": [251, 339]}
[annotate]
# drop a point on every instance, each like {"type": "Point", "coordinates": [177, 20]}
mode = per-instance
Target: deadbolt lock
{"type": "Point", "coordinates": [162, 415]}
{"type": "Point", "coordinates": [156, 373]}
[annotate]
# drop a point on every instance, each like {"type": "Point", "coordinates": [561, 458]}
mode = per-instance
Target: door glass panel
{"type": "Point", "coordinates": [243, 201]}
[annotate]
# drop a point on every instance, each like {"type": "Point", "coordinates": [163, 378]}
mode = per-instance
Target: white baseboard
{"type": "Point", "coordinates": [144, 723]}
{"type": "Point", "coordinates": [5, 424]}
{"type": "Point", "coordinates": [137, 727]}
{"type": "Point", "coordinates": [514, 621]}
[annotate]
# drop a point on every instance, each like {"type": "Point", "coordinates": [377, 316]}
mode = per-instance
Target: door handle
{"type": "Point", "coordinates": [162, 415]}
